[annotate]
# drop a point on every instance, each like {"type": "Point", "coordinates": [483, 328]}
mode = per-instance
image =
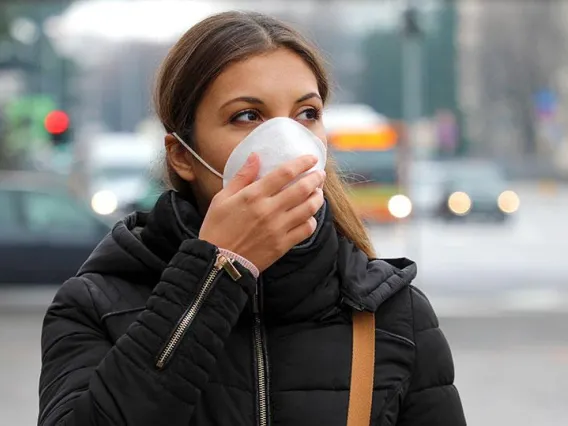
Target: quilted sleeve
{"type": "Point", "coordinates": [155, 373]}
{"type": "Point", "coordinates": [432, 398]}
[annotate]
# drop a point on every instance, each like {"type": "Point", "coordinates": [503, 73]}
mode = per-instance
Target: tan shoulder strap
{"type": "Point", "coordinates": [362, 369]}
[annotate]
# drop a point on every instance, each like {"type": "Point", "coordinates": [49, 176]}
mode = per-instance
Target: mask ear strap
{"type": "Point", "coordinates": [198, 158]}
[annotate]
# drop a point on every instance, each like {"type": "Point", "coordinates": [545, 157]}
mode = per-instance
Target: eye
{"type": "Point", "coordinates": [246, 116]}
{"type": "Point", "coordinates": [309, 114]}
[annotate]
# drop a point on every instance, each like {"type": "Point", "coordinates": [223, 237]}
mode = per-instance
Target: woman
{"type": "Point", "coordinates": [232, 304]}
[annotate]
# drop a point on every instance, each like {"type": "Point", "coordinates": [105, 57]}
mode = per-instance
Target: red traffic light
{"type": "Point", "coordinates": [56, 122]}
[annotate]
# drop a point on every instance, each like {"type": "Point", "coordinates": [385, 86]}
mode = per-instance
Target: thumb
{"type": "Point", "coordinates": [246, 175]}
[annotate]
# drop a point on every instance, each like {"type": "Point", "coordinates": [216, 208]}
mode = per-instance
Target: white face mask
{"type": "Point", "coordinates": [275, 141]}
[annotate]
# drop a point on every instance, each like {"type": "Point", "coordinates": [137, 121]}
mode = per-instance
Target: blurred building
{"type": "Point", "coordinates": [362, 42]}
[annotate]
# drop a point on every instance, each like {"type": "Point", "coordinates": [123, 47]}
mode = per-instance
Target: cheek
{"type": "Point", "coordinates": [225, 150]}
{"type": "Point", "coordinates": [216, 147]}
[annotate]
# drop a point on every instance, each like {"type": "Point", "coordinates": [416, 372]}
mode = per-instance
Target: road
{"type": "Point", "coordinates": [510, 371]}
{"type": "Point", "coordinates": [472, 268]}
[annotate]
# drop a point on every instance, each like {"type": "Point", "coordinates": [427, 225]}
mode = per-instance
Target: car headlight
{"type": "Point", "coordinates": [400, 206]}
{"type": "Point", "coordinates": [459, 203]}
{"type": "Point", "coordinates": [508, 202]}
{"type": "Point", "coordinates": [104, 202]}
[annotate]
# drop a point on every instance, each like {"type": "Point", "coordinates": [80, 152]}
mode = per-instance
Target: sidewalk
{"type": "Point", "coordinates": [513, 302]}
{"type": "Point", "coordinates": [34, 298]}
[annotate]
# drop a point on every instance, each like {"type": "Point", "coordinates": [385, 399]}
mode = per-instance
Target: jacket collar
{"type": "Point", "coordinates": [295, 287]}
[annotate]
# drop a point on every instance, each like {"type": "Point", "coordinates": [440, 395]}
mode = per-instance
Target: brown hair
{"type": "Point", "coordinates": [202, 54]}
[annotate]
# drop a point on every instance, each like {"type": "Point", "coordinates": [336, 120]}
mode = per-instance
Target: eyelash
{"type": "Point", "coordinates": [316, 111]}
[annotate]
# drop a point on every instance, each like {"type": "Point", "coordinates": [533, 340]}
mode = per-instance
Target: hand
{"type": "Point", "coordinates": [260, 220]}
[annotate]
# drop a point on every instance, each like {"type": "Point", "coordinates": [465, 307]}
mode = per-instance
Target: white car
{"type": "Point", "coordinates": [112, 170]}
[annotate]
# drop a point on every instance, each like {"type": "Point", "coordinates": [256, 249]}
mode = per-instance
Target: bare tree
{"type": "Point", "coordinates": [523, 49]}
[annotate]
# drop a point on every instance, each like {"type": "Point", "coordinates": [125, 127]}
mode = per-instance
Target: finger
{"type": "Point", "coordinates": [245, 176]}
{"type": "Point", "coordinates": [299, 191]}
{"type": "Point", "coordinates": [273, 182]}
{"type": "Point", "coordinates": [300, 233]}
{"type": "Point", "coordinates": [303, 212]}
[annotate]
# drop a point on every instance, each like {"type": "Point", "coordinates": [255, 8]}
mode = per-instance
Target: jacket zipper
{"type": "Point", "coordinates": [221, 264]}
{"type": "Point", "coordinates": [261, 362]}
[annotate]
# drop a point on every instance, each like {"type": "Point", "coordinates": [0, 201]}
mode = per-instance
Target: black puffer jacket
{"type": "Point", "coordinates": [135, 340]}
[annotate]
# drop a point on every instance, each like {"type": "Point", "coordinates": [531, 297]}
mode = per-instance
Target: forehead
{"type": "Point", "coordinates": [277, 73]}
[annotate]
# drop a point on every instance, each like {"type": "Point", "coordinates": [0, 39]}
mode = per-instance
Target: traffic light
{"type": "Point", "coordinates": [411, 21]}
{"type": "Point", "coordinates": [56, 123]}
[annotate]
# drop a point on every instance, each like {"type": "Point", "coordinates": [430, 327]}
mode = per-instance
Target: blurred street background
{"type": "Point", "coordinates": [449, 120]}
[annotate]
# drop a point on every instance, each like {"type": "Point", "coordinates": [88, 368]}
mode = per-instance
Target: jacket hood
{"type": "Point", "coordinates": [363, 284]}
{"type": "Point", "coordinates": [368, 283]}
{"type": "Point", "coordinates": [122, 254]}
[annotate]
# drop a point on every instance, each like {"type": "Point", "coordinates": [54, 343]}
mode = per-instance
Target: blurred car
{"type": "Point", "coordinates": [477, 190]}
{"type": "Point", "coordinates": [111, 170]}
{"type": "Point", "coordinates": [45, 233]}
{"type": "Point", "coordinates": [148, 198]}
{"type": "Point", "coordinates": [426, 188]}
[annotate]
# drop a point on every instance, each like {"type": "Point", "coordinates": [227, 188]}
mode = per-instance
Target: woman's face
{"type": "Point", "coordinates": [276, 84]}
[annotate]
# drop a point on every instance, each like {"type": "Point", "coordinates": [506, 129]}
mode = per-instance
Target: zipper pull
{"type": "Point", "coordinates": [224, 263]}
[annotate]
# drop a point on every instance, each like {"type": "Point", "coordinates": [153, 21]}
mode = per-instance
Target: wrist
{"type": "Point", "coordinates": [242, 260]}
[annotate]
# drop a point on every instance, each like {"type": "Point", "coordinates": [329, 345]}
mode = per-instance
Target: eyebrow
{"type": "Point", "coordinates": [308, 96]}
{"type": "Point", "coordinates": [257, 101]}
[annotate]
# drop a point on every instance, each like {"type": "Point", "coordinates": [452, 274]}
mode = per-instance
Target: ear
{"type": "Point", "coordinates": [180, 160]}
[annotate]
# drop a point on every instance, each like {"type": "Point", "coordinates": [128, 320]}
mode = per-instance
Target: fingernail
{"type": "Point", "coordinates": [250, 159]}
